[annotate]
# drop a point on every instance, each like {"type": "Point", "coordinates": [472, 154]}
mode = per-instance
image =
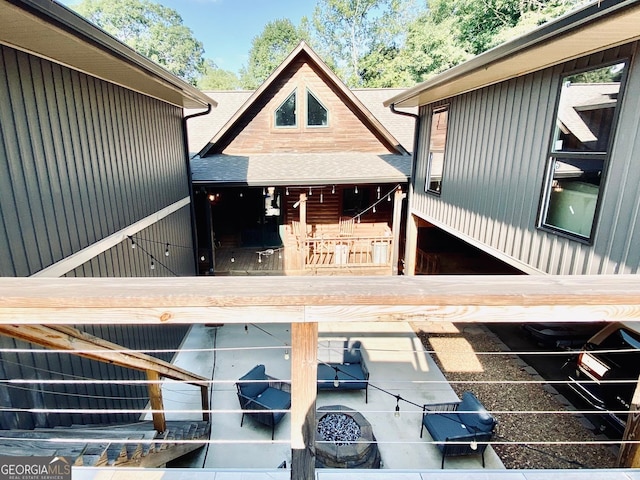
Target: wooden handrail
{"type": "Point", "coordinates": [60, 337]}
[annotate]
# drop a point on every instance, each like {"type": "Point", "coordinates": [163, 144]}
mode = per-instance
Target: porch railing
{"type": "Point", "coordinates": [345, 252]}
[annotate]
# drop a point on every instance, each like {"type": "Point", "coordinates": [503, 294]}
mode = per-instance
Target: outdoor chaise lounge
{"type": "Point", "coordinates": [343, 368]}
{"type": "Point", "coordinates": [263, 398]}
{"type": "Point", "coordinates": [459, 428]}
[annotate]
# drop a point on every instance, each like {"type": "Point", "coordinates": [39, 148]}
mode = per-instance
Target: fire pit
{"type": "Point", "coordinates": [344, 439]}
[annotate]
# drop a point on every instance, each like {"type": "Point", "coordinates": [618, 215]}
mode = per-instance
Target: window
{"type": "Point", "coordinates": [585, 118]}
{"type": "Point", "coordinates": [437, 142]}
{"type": "Point", "coordinates": [317, 114]}
{"type": "Point", "coordinates": [286, 112]}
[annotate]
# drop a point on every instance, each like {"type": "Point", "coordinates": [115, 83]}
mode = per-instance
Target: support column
{"type": "Point", "coordinates": [629, 456]}
{"type": "Point", "coordinates": [411, 246]}
{"type": "Point", "coordinates": [155, 399]}
{"type": "Point", "coordinates": [398, 197]}
{"type": "Point", "coordinates": [303, 229]}
{"type": "Point", "coordinates": [304, 374]}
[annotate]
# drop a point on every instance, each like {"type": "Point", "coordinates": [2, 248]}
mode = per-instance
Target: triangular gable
{"type": "Point", "coordinates": [239, 133]}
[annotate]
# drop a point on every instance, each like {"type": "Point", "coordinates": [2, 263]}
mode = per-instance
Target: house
{"type": "Point", "coordinates": [93, 162]}
{"type": "Point", "coordinates": [301, 178]}
{"type": "Point", "coordinates": [528, 152]}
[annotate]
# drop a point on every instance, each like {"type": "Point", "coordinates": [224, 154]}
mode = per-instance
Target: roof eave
{"type": "Point", "coordinates": [518, 56]}
{"type": "Point", "coordinates": [49, 30]}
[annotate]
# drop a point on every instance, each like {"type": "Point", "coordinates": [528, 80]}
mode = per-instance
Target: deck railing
{"type": "Point", "coordinates": [305, 303]}
{"type": "Point", "coordinates": [345, 252]}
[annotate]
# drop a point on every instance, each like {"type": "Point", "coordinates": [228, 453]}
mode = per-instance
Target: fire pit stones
{"type": "Point", "coordinates": [356, 448]}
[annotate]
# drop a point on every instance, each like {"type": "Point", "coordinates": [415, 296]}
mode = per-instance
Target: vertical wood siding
{"type": "Point", "coordinates": [80, 159]}
{"type": "Point", "coordinates": [495, 160]}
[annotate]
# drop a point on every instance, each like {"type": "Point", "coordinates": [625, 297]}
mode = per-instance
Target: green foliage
{"type": "Point", "coordinates": [270, 48]}
{"type": "Point", "coordinates": [215, 78]}
{"type": "Point", "coordinates": [155, 31]}
{"type": "Point", "coordinates": [350, 30]}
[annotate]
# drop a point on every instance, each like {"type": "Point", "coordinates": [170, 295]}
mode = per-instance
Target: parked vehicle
{"type": "Point", "coordinates": [605, 371]}
{"type": "Point", "coordinates": [562, 334]}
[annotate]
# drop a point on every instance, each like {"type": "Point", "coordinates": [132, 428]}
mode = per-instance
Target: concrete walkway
{"type": "Point", "coordinates": [397, 364]}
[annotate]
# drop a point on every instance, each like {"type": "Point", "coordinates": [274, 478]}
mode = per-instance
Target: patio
{"type": "Point", "coordinates": [397, 365]}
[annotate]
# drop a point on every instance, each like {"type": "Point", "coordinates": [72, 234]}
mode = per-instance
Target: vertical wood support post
{"type": "Point", "coordinates": [411, 245]}
{"type": "Point", "coordinates": [629, 456]}
{"type": "Point", "coordinates": [398, 197]}
{"type": "Point", "coordinates": [155, 399]}
{"type": "Point", "coordinates": [204, 395]}
{"type": "Point", "coordinates": [303, 230]}
{"type": "Point", "coordinates": [304, 374]}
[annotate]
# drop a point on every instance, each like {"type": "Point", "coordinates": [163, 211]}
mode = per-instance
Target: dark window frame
{"type": "Point", "coordinates": [558, 157]}
{"type": "Point", "coordinates": [428, 182]}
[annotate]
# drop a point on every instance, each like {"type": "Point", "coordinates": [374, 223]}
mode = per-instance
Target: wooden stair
{"type": "Point", "coordinates": [131, 445]}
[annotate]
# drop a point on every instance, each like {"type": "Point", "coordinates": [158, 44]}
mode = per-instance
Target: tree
{"type": "Point", "coordinates": [215, 78]}
{"type": "Point", "coordinates": [155, 31]}
{"type": "Point", "coordinates": [350, 29]}
{"type": "Point", "coordinates": [270, 48]}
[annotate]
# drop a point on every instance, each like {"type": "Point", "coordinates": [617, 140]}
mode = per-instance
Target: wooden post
{"type": "Point", "coordinates": [629, 456]}
{"type": "Point", "coordinates": [155, 398]}
{"type": "Point", "coordinates": [398, 197]}
{"type": "Point", "coordinates": [303, 229]}
{"type": "Point", "coordinates": [304, 374]}
{"type": "Point", "coordinates": [410, 246]}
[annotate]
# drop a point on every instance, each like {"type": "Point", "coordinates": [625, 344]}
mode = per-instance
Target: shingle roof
{"type": "Point", "coordinates": [276, 169]}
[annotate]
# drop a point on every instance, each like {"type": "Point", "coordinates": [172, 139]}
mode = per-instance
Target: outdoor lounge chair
{"type": "Point", "coordinates": [263, 398]}
{"type": "Point", "coordinates": [459, 428]}
{"type": "Point", "coordinates": [344, 369]}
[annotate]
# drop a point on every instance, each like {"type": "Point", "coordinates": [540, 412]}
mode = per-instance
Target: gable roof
{"type": "Point", "coordinates": [600, 25]}
{"type": "Point", "coordinates": [46, 29]}
{"type": "Point", "coordinates": [203, 128]}
{"type": "Point", "coordinates": [331, 78]}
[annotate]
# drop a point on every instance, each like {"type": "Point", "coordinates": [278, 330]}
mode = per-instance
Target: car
{"type": "Point", "coordinates": [565, 335]}
{"type": "Point", "coordinates": [605, 371]}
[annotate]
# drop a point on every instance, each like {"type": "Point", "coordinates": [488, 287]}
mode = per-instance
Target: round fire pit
{"type": "Point", "coordinates": [344, 439]}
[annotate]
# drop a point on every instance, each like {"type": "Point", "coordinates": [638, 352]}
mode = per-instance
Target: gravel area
{"type": "Point", "coordinates": [455, 349]}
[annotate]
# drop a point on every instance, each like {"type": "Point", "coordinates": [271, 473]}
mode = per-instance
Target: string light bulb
{"type": "Point", "coordinates": [286, 354]}
{"type": "Point", "coordinates": [378, 191]}
{"type": "Point", "coordinates": [321, 197]}
{"type": "Point", "coordinates": [374, 209]}
{"type": "Point", "coordinates": [153, 263]}
{"type": "Point", "coordinates": [286, 191]}
{"type": "Point", "coordinates": [133, 243]}
{"type": "Point", "coordinates": [233, 257]}
{"type": "Point", "coordinates": [333, 189]}
{"type": "Point", "coordinates": [246, 329]}
{"type": "Point", "coordinates": [474, 444]}
{"type": "Point", "coordinates": [397, 412]}
{"type": "Point", "coordinates": [310, 192]}
{"type": "Point", "coordinates": [336, 380]}
{"type": "Point", "coordinates": [388, 198]}
{"type": "Point", "coordinates": [166, 250]}
{"type": "Point", "coordinates": [356, 189]}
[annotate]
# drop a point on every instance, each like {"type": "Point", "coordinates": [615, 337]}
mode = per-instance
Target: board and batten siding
{"type": "Point", "coordinates": [80, 159]}
{"type": "Point", "coordinates": [497, 145]}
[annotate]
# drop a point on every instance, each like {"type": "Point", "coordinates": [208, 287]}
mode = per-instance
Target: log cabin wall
{"type": "Point", "coordinates": [256, 133]}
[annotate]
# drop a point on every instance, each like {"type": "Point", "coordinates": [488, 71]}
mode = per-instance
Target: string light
{"type": "Point", "coordinates": [378, 192]}
{"type": "Point", "coordinates": [397, 412]}
{"type": "Point", "coordinates": [133, 243]}
{"type": "Point", "coordinates": [286, 191]}
{"type": "Point", "coordinates": [333, 189]}
{"type": "Point", "coordinates": [321, 197]}
{"type": "Point", "coordinates": [356, 189]}
{"type": "Point", "coordinates": [336, 380]}
{"type": "Point", "coordinates": [153, 263]}
{"type": "Point", "coordinates": [246, 329]}
{"type": "Point", "coordinates": [166, 250]}
{"type": "Point", "coordinates": [286, 354]}
{"type": "Point", "coordinates": [310, 192]}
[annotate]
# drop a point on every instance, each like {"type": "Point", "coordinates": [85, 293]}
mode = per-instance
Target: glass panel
{"type": "Point", "coordinates": [437, 141]}
{"type": "Point", "coordinates": [574, 195]}
{"type": "Point", "coordinates": [317, 115]}
{"type": "Point", "coordinates": [286, 113]}
{"type": "Point", "coordinates": [586, 109]}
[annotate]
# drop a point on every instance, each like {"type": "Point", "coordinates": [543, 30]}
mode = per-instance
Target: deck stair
{"type": "Point", "coordinates": [130, 445]}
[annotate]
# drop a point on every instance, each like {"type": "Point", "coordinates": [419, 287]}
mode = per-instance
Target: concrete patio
{"type": "Point", "coordinates": [397, 365]}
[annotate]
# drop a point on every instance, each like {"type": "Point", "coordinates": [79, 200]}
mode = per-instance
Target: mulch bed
{"type": "Point", "coordinates": [455, 355]}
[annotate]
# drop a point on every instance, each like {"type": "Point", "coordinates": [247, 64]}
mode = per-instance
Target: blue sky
{"type": "Point", "coordinates": [227, 27]}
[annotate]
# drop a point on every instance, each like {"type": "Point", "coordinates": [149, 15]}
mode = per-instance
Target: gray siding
{"type": "Point", "coordinates": [497, 148]}
{"type": "Point", "coordinates": [80, 159]}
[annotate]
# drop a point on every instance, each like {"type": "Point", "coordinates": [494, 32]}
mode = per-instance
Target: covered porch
{"type": "Point", "coordinates": [300, 214]}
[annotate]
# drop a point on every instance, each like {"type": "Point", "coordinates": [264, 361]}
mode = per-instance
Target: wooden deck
{"type": "Point", "coordinates": [247, 261]}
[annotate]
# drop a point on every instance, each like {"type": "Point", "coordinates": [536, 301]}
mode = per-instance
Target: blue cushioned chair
{"type": "Point", "coordinates": [459, 428]}
{"type": "Point", "coordinates": [263, 398]}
